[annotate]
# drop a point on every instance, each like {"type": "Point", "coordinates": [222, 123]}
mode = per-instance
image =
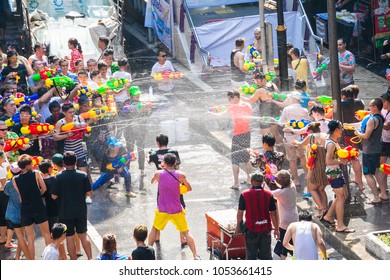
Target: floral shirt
{"type": "Point", "coordinates": [273, 159]}
{"type": "Point", "coordinates": [74, 55]}
{"type": "Point", "coordinates": [346, 58]}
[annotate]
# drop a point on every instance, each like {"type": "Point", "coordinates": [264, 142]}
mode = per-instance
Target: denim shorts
{"type": "Point", "coordinates": [337, 183]}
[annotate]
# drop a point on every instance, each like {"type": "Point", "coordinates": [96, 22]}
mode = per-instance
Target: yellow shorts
{"type": "Point", "coordinates": [179, 220]}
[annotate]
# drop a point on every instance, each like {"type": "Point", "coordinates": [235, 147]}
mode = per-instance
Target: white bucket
{"type": "Point", "coordinates": [168, 128]}
{"type": "Point", "coordinates": [182, 129]}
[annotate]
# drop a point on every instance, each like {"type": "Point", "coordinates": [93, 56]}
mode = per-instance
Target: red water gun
{"type": "Point", "coordinates": [37, 129]}
{"type": "Point", "coordinates": [15, 144]}
{"type": "Point", "coordinates": [35, 161]}
{"type": "Point", "coordinates": [385, 168]}
{"type": "Point", "coordinates": [77, 128]}
{"type": "Point", "coordinates": [312, 157]}
{"type": "Point", "coordinates": [45, 74]}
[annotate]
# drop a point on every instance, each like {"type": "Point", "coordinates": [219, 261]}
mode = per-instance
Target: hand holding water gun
{"type": "Point", "coordinates": [249, 65]}
{"type": "Point", "coordinates": [25, 99]}
{"type": "Point", "coordinates": [324, 99]}
{"type": "Point", "coordinates": [168, 75]}
{"type": "Point", "coordinates": [298, 124]}
{"type": "Point", "coordinates": [37, 129]}
{"type": "Point", "coordinates": [60, 81]}
{"type": "Point", "coordinates": [16, 144]}
{"type": "Point", "coordinates": [385, 168]}
{"type": "Point", "coordinates": [95, 113]}
{"type": "Point", "coordinates": [77, 129]}
{"type": "Point", "coordinates": [270, 76]}
{"type": "Point", "coordinates": [268, 173]}
{"type": "Point", "coordinates": [121, 161]}
{"type": "Point", "coordinates": [248, 89]}
{"type": "Point", "coordinates": [348, 153]}
{"type": "Point", "coordinates": [253, 52]}
{"type": "Point", "coordinates": [84, 91]}
{"type": "Point", "coordinates": [115, 84]}
{"type": "Point", "coordinates": [322, 67]}
{"type": "Point", "coordinates": [361, 114]}
{"type": "Point", "coordinates": [312, 157]}
{"type": "Point", "coordinates": [281, 96]}
{"type": "Point", "coordinates": [45, 74]}
{"type": "Point", "coordinates": [16, 119]}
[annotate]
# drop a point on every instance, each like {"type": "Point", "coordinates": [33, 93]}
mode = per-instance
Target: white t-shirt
{"type": "Point", "coordinates": [293, 112]}
{"type": "Point", "coordinates": [164, 85]}
{"type": "Point", "coordinates": [386, 133]}
{"type": "Point", "coordinates": [93, 85]}
{"type": "Point", "coordinates": [122, 75]}
{"type": "Point", "coordinates": [287, 206]}
{"type": "Point", "coordinates": [51, 253]}
{"type": "Point", "coordinates": [44, 110]}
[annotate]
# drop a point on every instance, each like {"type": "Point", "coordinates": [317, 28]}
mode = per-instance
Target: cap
{"type": "Point", "coordinates": [112, 141]}
{"type": "Point", "coordinates": [57, 158]}
{"type": "Point", "coordinates": [135, 91]}
{"type": "Point", "coordinates": [15, 168]}
{"type": "Point", "coordinates": [296, 95]}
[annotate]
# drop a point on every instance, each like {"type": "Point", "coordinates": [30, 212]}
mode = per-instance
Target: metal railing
{"type": "Point", "coordinates": [204, 54]}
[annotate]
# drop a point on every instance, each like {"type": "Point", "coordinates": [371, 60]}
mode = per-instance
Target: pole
{"type": "Point", "coordinates": [262, 32]}
{"type": "Point", "coordinates": [334, 60]}
{"type": "Point", "coordinates": [173, 51]}
{"type": "Point", "coordinates": [282, 46]}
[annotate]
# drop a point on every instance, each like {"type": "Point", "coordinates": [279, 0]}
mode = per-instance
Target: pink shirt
{"type": "Point", "coordinates": [169, 193]}
{"type": "Point", "coordinates": [74, 55]}
{"type": "Point", "coordinates": [240, 114]}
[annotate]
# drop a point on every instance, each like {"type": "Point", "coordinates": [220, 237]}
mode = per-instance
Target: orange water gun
{"type": "Point", "coordinates": [312, 157]}
{"type": "Point", "coordinates": [35, 161]}
{"type": "Point", "coordinates": [37, 129]}
{"type": "Point", "coordinates": [15, 144]}
{"type": "Point", "coordinates": [361, 114]}
{"type": "Point", "coordinates": [77, 128]}
{"type": "Point", "coordinates": [348, 153]}
{"type": "Point", "coordinates": [95, 113]}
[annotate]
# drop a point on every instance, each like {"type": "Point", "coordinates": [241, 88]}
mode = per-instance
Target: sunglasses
{"type": "Point", "coordinates": [164, 55]}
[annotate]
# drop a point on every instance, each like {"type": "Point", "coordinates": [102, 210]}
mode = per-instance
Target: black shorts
{"type": "Point", "coordinates": [337, 183]}
{"type": "Point", "coordinates": [11, 225]}
{"type": "Point", "coordinates": [279, 248]}
{"type": "Point", "coordinates": [82, 162]}
{"type": "Point", "coordinates": [370, 163]}
{"type": "Point", "coordinates": [28, 220]}
{"type": "Point", "coordinates": [385, 149]}
{"type": "Point", "coordinates": [240, 145]}
{"type": "Point", "coordinates": [79, 223]}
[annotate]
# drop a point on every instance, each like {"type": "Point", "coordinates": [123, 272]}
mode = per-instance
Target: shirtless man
{"type": "Point", "coordinates": [257, 43]}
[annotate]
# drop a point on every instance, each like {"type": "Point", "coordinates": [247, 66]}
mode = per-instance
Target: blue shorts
{"type": "Point", "coordinates": [337, 183]}
{"type": "Point", "coordinates": [370, 163]}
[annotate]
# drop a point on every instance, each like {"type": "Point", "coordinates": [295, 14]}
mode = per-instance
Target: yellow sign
{"type": "Point", "coordinates": [224, 12]}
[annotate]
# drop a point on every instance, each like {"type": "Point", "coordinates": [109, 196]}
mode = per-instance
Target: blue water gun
{"type": "Point", "coordinates": [120, 161]}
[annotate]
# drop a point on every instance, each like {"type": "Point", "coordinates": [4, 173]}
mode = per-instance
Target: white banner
{"type": "Point", "coordinates": [218, 37]}
{"type": "Point", "coordinates": [209, 3]}
{"type": "Point", "coordinates": [158, 17]}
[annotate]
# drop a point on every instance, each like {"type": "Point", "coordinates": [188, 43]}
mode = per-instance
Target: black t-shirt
{"type": "Point", "coordinates": [348, 109]}
{"type": "Point", "coordinates": [59, 144]}
{"type": "Point", "coordinates": [242, 206]}
{"type": "Point", "coordinates": [51, 204]}
{"type": "Point", "coordinates": [143, 253]}
{"type": "Point", "coordinates": [34, 149]}
{"type": "Point", "coordinates": [32, 203]}
{"type": "Point", "coordinates": [70, 187]}
{"type": "Point", "coordinates": [22, 72]}
{"type": "Point", "coordinates": [157, 157]}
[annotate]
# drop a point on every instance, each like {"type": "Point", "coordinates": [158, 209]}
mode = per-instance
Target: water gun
{"type": "Point", "coordinates": [37, 129]}
{"type": "Point", "coordinates": [270, 76]}
{"type": "Point", "coordinates": [328, 112]}
{"type": "Point", "coordinates": [323, 66]}
{"type": "Point", "coordinates": [16, 119]}
{"type": "Point", "coordinates": [281, 96]}
{"type": "Point", "coordinates": [312, 157]}
{"type": "Point", "coordinates": [298, 124]}
{"type": "Point", "coordinates": [324, 99]}
{"type": "Point", "coordinates": [385, 168]}
{"type": "Point", "coordinates": [348, 153]}
{"type": "Point", "coordinates": [45, 74]}
{"type": "Point", "coordinates": [249, 65]}
{"type": "Point", "coordinates": [60, 81]}
{"type": "Point", "coordinates": [168, 75]}
{"type": "Point", "coordinates": [35, 161]}
{"type": "Point", "coordinates": [77, 128]}
{"type": "Point", "coordinates": [326, 257]}
{"type": "Point", "coordinates": [253, 52]}
{"type": "Point", "coordinates": [248, 89]}
{"type": "Point", "coordinates": [361, 114]}
{"type": "Point", "coordinates": [218, 109]}
{"type": "Point", "coordinates": [111, 106]}
{"type": "Point", "coordinates": [268, 173]}
{"type": "Point", "coordinates": [115, 84]}
{"type": "Point", "coordinates": [114, 67]}
{"type": "Point", "coordinates": [84, 91]}
{"type": "Point", "coordinates": [95, 113]}
{"type": "Point", "coordinates": [120, 161]}
{"type": "Point", "coordinates": [26, 99]}
{"type": "Point", "coordinates": [15, 144]}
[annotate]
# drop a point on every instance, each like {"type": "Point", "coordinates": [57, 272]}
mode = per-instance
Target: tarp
{"type": "Point", "coordinates": [210, 3]}
{"type": "Point", "coordinates": [218, 37]}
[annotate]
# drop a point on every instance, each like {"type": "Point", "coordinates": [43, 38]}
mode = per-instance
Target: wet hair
{"type": "Point", "coordinates": [69, 158]}
{"type": "Point", "coordinates": [300, 84]}
{"type": "Point", "coordinates": [258, 75]}
{"type": "Point", "coordinates": [67, 106]}
{"type": "Point", "coordinates": [102, 64]}
{"type": "Point", "coordinates": [378, 103]}
{"type": "Point", "coordinates": [104, 39]}
{"type": "Point", "coordinates": [232, 94]}
{"type": "Point", "coordinates": [333, 125]}
{"type": "Point", "coordinates": [33, 63]}
{"type": "Point", "coordinates": [257, 177]}
{"type": "Point", "coordinates": [122, 62]}
{"type": "Point", "coordinates": [269, 139]}
{"type": "Point", "coordinates": [58, 230]}
{"type": "Point", "coordinates": [314, 127]}
{"type": "Point", "coordinates": [63, 60]}
{"type": "Point", "coordinates": [24, 161]}
{"type": "Point", "coordinates": [91, 60]}
{"type": "Point", "coordinates": [317, 109]}
{"type": "Point", "coordinates": [109, 244]}
{"type": "Point", "coordinates": [170, 159]}
{"type": "Point", "coordinates": [162, 139]}
{"type": "Point", "coordinates": [342, 40]}
{"type": "Point", "coordinates": [94, 73]}
{"type": "Point", "coordinates": [53, 59]}
{"type": "Point", "coordinates": [83, 100]}
{"type": "Point", "coordinates": [239, 42]}
{"type": "Point", "coordinates": [45, 165]}
{"type": "Point", "coordinates": [140, 233]}
{"type": "Point", "coordinates": [283, 178]}
{"type": "Point", "coordinates": [76, 44]}
{"type": "Point", "coordinates": [304, 216]}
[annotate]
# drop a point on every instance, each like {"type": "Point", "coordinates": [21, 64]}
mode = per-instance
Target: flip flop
{"type": "Point", "coordinates": [346, 230]}
{"type": "Point", "coordinates": [373, 202]}
{"type": "Point", "coordinates": [330, 223]}
{"type": "Point", "coordinates": [234, 188]}
{"type": "Point", "coordinates": [384, 199]}
{"type": "Point", "coordinates": [244, 182]}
